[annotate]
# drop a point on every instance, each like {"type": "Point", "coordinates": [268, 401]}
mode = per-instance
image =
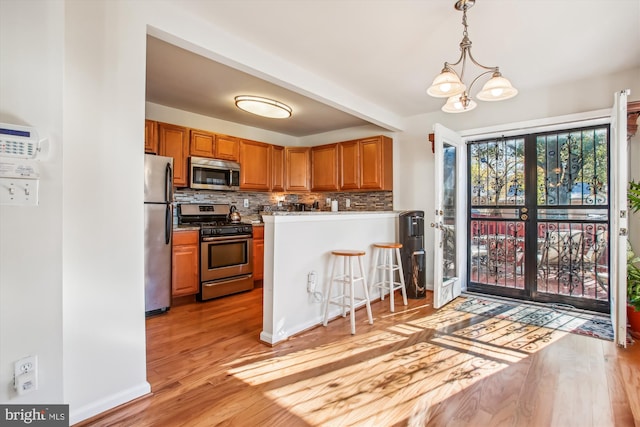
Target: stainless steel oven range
{"type": "Point", "coordinates": [226, 249]}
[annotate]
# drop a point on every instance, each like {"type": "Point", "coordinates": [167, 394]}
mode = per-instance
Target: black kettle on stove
{"type": "Point", "coordinates": [234, 215]}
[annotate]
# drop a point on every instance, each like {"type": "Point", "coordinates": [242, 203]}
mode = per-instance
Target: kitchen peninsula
{"type": "Point", "coordinates": [299, 243]}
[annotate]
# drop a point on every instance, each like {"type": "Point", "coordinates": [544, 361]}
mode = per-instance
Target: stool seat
{"type": "Point", "coordinates": [348, 252]}
{"type": "Point", "coordinates": [388, 269]}
{"type": "Point", "coordinates": [388, 245]}
{"type": "Point", "coordinates": [347, 279]}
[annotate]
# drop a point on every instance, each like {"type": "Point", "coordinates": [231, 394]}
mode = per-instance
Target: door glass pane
{"type": "Point", "coordinates": [563, 218]}
{"type": "Point", "coordinates": [497, 172]}
{"type": "Point", "coordinates": [572, 197]}
{"type": "Point", "coordinates": [497, 233]}
{"type": "Point", "coordinates": [572, 168]}
{"type": "Point", "coordinates": [449, 212]}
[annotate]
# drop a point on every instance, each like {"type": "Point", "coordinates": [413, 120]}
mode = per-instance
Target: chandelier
{"type": "Point", "coordinates": [449, 83]}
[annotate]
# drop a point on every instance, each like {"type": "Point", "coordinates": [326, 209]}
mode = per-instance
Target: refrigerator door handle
{"type": "Point", "coordinates": [168, 183]}
{"type": "Point", "coordinates": [168, 222]}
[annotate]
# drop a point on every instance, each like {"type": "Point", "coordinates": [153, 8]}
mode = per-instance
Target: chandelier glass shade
{"type": "Point", "coordinates": [449, 83]}
{"type": "Point", "coordinates": [264, 107]}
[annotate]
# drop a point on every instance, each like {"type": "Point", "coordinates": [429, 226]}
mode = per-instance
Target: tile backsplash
{"type": "Point", "coordinates": [359, 201]}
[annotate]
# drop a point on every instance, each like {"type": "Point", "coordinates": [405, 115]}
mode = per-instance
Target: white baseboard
{"type": "Point", "coordinates": [94, 408]}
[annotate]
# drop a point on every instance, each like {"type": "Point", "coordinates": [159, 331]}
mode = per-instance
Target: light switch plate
{"type": "Point", "coordinates": [19, 192]}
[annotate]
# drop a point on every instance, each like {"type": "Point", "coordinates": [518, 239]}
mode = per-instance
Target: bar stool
{"type": "Point", "coordinates": [348, 280]}
{"type": "Point", "coordinates": [388, 269]}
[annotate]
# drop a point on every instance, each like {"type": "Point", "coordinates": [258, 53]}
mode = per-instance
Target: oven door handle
{"type": "Point", "coordinates": [231, 239]}
{"type": "Point", "coordinates": [222, 282]}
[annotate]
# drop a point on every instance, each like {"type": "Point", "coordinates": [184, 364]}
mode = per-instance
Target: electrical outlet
{"type": "Point", "coordinates": [347, 203]}
{"type": "Point", "coordinates": [246, 203]}
{"type": "Point", "coordinates": [311, 281]}
{"type": "Point", "coordinates": [25, 374]}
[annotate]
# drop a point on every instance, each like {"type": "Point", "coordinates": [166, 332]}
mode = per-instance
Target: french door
{"type": "Point", "coordinates": [538, 217]}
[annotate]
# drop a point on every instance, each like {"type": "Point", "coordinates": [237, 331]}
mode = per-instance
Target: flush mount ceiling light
{"type": "Point", "coordinates": [449, 83]}
{"type": "Point", "coordinates": [263, 106]}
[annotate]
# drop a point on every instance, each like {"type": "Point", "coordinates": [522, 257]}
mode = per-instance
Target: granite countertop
{"type": "Point", "coordinates": [296, 213]}
{"type": "Point", "coordinates": [186, 227]}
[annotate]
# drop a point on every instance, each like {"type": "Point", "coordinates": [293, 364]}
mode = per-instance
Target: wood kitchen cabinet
{"type": "Point", "coordinates": [349, 156]}
{"type": "Point", "coordinates": [277, 168]}
{"type": "Point", "coordinates": [258, 253]}
{"type": "Point", "coordinates": [150, 137]}
{"type": "Point", "coordinates": [174, 142]}
{"type": "Point", "coordinates": [227, 148]}
{"type": "Point", "coordinates": [376, 163]}
{"type": "Point", "coordinates": [184, 270]}
{"type": "Point", "coordinates": [366, 164]}
{"type": "Point", "coordinates": [255, 161]}
{"type": "Point", "coordinates": [297, 168]}
{"type": "Point", "coordinates": [202, 143]}
{"type": "Point", "coordinates": [324, 168]}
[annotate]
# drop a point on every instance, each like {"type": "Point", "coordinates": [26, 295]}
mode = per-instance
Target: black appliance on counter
{"type": "Point", "coordinates": [411, 235]}
{"type": "Point", "coordinates": [226, 249]}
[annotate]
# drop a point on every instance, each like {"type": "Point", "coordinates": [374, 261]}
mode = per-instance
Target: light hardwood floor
{"type": "Point", "coordinates": [417, 367]}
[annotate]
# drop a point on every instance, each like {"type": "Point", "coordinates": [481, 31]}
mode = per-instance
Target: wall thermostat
{"type": "Point", "coordinates": [19, 173]}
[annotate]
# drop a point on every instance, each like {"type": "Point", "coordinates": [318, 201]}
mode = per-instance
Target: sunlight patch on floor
{"type": "Point", "coordinates": [382, 377]}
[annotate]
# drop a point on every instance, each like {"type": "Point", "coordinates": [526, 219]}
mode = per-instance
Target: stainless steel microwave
{"type": "Point", "coordinates": [213, 174]}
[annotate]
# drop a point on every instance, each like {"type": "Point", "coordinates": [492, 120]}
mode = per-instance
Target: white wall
{"type": "Point", "coordinates": [30, 249]}
{"type": "Point", "coordinates": [103, 265]}
{"type": "Point", "coordinates": [297, 244]}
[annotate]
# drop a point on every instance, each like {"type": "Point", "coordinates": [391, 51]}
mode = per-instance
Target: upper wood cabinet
{"type": "Point", "coordinates": [255, 161]}
{"type": "Point", "coordinates": [297, 168]}
{"type": "Point", "coordinates": [227, 148]}
{"type": "Point", "coordinates": [349, 157]}
{"type": "Point", "coordinates": [277, 168]}
{"type": "Point", "coordinates": [150, 137]}
{"type": "Point", "coordinates": [202, 143]}
{"type": "Point", "coordinates": [376, 163]}
{"type": "Point", "coordinates": [324, 168]}
{"type": "Point", "coordinates": [366, 164]}
{"type": "Point", "coordinates": [174, 142]}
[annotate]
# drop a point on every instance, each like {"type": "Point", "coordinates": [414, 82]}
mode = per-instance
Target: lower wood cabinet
{"type": "Point", "coordinates": [184, 272]}
{"type": "Point", "coordinates": [258, 253]}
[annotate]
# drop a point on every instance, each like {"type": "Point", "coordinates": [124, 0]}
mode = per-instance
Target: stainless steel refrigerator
{"type": "Point", "coordinates": [158, 224]}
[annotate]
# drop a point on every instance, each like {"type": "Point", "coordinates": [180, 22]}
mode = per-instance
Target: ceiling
{"type": "Point", "coordinates": [381, 55]}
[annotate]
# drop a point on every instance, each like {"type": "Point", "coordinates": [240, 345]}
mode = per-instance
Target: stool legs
{"type": "Point", "coordinates": [347, 280]}
{"type": "Point", "coordinates": [403, 286]}
{"type": "Point", "coordinates": [388, 267]}
{"type": "Point", "coordinates": [366, 292]}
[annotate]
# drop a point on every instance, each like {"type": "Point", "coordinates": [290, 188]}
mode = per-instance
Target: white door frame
{"type": "Point", "coordinates": [446, 291]}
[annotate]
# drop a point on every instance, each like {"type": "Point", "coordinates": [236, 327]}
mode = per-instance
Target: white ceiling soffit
{"type": "Point", "coordinates": [187, 81]}
{"type": "Point", "coordinates": [387, 52]}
